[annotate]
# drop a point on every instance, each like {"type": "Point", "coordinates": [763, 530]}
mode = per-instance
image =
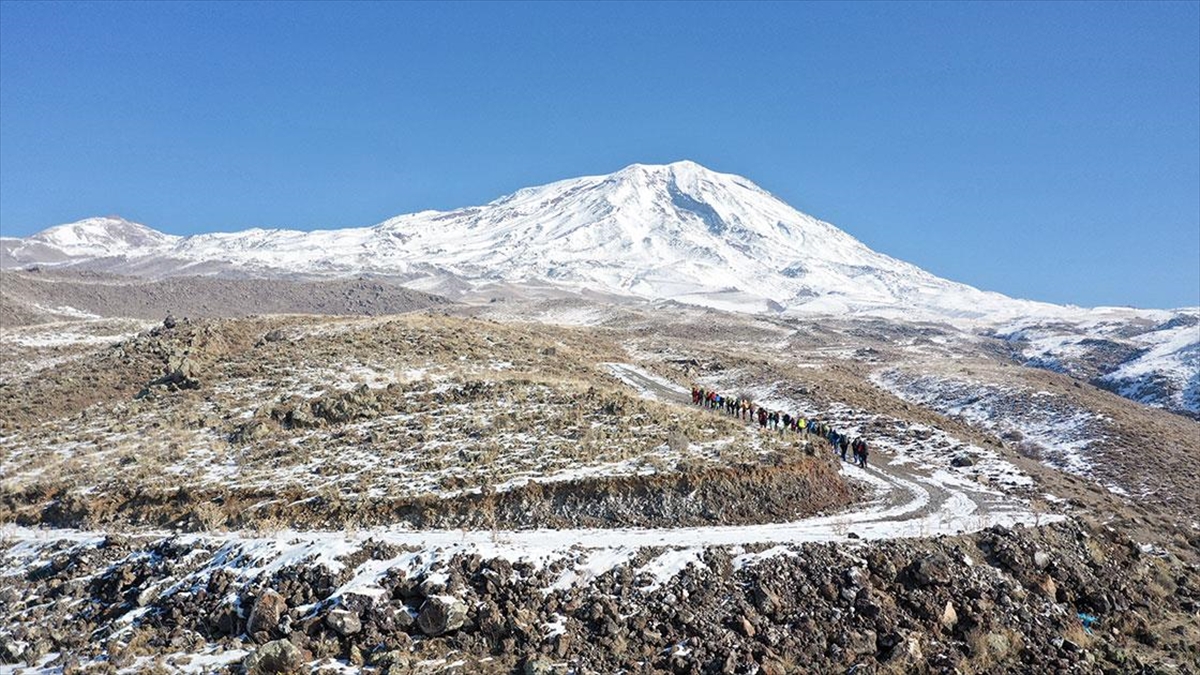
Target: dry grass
{"type": "Point", "coordinates": [390, 408]}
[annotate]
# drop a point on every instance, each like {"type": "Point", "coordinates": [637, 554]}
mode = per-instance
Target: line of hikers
{"type": "Point", "coordinates": [737, 406]}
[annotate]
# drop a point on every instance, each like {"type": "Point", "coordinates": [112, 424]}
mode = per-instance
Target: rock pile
{"type": "Point", "coordinates": [999, 601]}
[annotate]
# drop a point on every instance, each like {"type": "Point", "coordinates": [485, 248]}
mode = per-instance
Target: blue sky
{"type": "Point", "coordinates": [1047, 151]}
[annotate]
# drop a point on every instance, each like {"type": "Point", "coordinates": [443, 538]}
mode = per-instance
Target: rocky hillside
{"type": "Point", "coordinates": [1065, 598]}
{"type": "Point", "coordinates": [432, 492]}
{"type": "Point", "coordinates": [38, 297]}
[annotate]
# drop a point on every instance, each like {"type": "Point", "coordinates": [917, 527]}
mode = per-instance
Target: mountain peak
{"type": "Point", "coordinates": [680, 165]}
{"type": "Point", "coordinates": [683, 168]}
{"type": "Point", "coordinates": [104, 235]}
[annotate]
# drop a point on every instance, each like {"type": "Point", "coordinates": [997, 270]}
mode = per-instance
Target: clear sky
{"type": "Point", "coordinates": [1047, 151]}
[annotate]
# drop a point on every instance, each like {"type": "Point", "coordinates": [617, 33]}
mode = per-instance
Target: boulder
{"type": "Point", "coordinates": [343, 622]}
{"type": "Point", "coordinates": [268, 608]}
{"type": "Point", "coordinates": [962, 460]}
{"type": "Point", "coordinates": [441, 614]}
{"type": "Point", "coordinates": [930, 570]}
{"type": "Point", "coordinates": [279, 656]}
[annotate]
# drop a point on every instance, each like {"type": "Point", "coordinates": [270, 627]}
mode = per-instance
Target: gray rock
{"type": "Point", "coordinates": [962, 460]}
{"type": "Point", "coordinates": [441, 614]}
{"type": "Point", "coordinates": [279, 656]}
{"type": "Point", "coordinates": [343, 622]}
{"type": "Point", "coordinates": [930, 569]}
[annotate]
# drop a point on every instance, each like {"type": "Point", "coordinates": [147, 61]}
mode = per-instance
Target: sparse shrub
{"type": "Point", "coordinates": [208, 516]}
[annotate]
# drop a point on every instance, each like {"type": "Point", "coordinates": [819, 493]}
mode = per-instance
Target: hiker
{"type": "Point", "coordinates": [762, 417]}
{"type": "Point", "coordinates": [844, 445]}
{"type": "Point", "coordinates": [862, 454]}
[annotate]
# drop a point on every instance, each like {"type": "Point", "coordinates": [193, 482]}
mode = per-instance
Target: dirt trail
{"type": "Point", "coordinates": [911, 498]}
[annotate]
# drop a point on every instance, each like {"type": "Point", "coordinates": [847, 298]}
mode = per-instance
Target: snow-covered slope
{"type": "Point", "coordinates": [105, 237]}
{"type": "Point", "coordinates": [1150, 356]}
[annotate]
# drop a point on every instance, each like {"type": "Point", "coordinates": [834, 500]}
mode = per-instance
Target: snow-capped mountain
{"type": "Point", "coordinates": [662, 232]}
{"type": "Point", "coordinates": [676, 231]}
{"type": "Point", "coordinates": [103, 237]}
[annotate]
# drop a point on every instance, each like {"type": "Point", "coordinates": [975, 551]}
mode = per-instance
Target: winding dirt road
{"type": "Point", "coordinates": [911, 497]}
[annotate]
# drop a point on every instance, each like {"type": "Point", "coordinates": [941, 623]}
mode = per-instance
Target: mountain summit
{"type": "Point", "coordinates": [676, 231]}
{"type": "Point", "coordinates": [105, 236]}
